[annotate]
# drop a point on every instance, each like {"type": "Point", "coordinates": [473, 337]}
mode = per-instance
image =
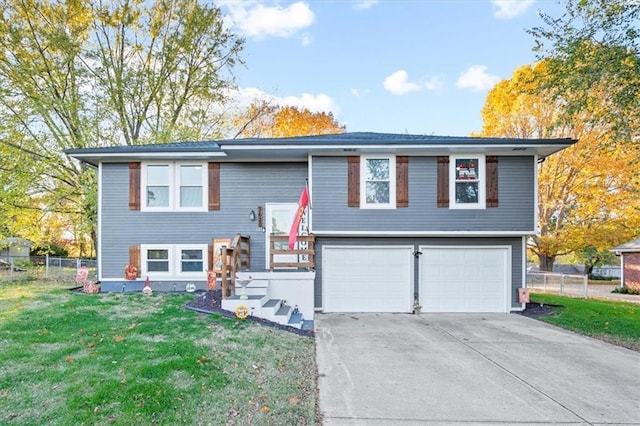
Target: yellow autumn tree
{"type": "Point", "coordinates": [587, 193]}
{"type": "Point", "coordinates": [263, 120]}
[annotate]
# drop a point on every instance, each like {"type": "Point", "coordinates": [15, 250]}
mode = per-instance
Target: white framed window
{"type": "Point", "coordinates": [378, 182]}
{"type": "Point", "coordinates": [467, 181]}
{"type": "Point", "coordinates": [174, 186]}
{"type": "Point", "coordinates": [174, 260]}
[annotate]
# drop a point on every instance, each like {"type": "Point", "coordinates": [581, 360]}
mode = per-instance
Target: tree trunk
{"type": "Point", "coordinates": [546, 262]}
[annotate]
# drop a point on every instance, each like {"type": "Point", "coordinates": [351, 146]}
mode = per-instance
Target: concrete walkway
{"type": "Point", "coordinates": [469, 369]}
{"type": "Point", "coordinates": [604, 292]}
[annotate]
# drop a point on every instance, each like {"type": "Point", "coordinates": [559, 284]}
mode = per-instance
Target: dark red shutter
{"type": "Point", "coordinates": [210, 257]}
{"type": "Point", "coordinates": [214, 186]}
{"type": "Point", "coordinates": [402, 181]}
{"type": "Point", "coordinates": [492, 181]}
{"type": "Point", "coordinates": [443, 181]}
{"type": "Point", "coordinates": [134, 258]}
{"type": "Point", "coordinates": [134, 186]}
{"type": "Point", "coordinates": [353, 184]}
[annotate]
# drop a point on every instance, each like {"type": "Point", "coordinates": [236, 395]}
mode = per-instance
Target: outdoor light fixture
{"type": "Point", "coordinates": [252, 216]}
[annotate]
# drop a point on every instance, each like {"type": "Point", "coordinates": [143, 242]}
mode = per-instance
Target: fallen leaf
{"type": "Point", "coordinates": [293, 400]}
{"type": "Point", "coordinates": [266, 409]}
{"type": "Point", "coordinates": [69, 359]}
{"type": "Point", "coordinates": [92, 344]}
{"type": "Point", "coordinates": [202, 359]}
{"type": "Point", "coordinates": [118, 338]}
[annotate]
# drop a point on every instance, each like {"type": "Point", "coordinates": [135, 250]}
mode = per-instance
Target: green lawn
{"type": "Point", "coordinates": [612, 321]}
{"type": "Point", "coordinates": [123, 359]}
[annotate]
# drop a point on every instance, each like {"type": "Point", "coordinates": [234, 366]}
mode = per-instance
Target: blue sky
{"type": "Point", "coordinates": [421, 67]}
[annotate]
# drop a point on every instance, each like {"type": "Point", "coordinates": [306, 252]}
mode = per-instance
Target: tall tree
{"type": "Point", "coordinates": [595, 43]}
{"type": "Point", "coordinates": [263, 120]}
{"type": "Point", "coordinates": [587, 193]}
{"type": "Point", "coordinates": [77, 73]}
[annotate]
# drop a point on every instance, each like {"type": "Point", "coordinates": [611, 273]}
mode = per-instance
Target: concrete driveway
{"type": "Point", "coordinates": [383, 369]}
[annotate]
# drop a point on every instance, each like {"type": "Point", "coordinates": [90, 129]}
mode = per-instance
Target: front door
{"type": "Point", "coordinates": [278, 220]}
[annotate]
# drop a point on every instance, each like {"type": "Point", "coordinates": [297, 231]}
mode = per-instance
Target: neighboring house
{"type": "Point", "coordinates": [16, 248]}
{"type": "Point", "coordinates": [399, 220]}
{"type": "Point", "coordinates": [629, 263]}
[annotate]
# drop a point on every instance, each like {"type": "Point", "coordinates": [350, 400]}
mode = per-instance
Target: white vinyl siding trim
{"type": "Point", "coordinates": [187, 192]}
{"type": "Point", "coordinates": [366, 179]}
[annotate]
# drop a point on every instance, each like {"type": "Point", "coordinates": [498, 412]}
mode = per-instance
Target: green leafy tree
{"type": "Point", "coordinates": [587, 193]}
{"type": "Point", "coordinates": [595, 43]}
{"type": "Point", "coordinates": [76, 73]}
{"type": "Point", "coordinates": [263, 120]}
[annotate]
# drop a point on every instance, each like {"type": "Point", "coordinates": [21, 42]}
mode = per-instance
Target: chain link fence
{"type": "Point", "coordinates": [562, 284]}
{"type": "Point", "coordinates": [44, 268]}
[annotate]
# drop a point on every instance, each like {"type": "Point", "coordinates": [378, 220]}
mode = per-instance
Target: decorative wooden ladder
{"type": "Point", "coordinates": [235, 258]}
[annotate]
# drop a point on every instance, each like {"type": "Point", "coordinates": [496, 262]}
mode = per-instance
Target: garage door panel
{"type": "Point", "coordinates": [367, 279]}
{"type": "Point", "coordinates": [464, 279]}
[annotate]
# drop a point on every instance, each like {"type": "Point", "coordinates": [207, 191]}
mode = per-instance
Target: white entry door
{"type": "Point", "coordinates": [278, 220]}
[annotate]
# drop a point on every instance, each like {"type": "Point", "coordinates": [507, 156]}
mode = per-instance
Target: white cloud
{"type": "Point", "coordinates": [364, 4]}
{"type": "Point", "coordinates": [477, 78]}
{"type": "Point", "coordinates": [434, 84]}
{"type": "Point", "coordinates": [257, 20]}
{"type": "Point", "coordinates": [320, 102]}
{"type": "Point", "coordinates": [359, 93]}
{"type": "Point", "coordinates": [507, 9]}
{"type": "Point", "coordinates": [398, 83]}
{"type": "Point", "coordinates": [306, 39]}
{"type": "Point", "coordinates": [314, 103]}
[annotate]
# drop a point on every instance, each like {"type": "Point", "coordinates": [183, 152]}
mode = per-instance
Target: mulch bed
{"type": "Point", "coordinates": [210, 302]}
{"type": "Point", "coordinates": [537, 310]}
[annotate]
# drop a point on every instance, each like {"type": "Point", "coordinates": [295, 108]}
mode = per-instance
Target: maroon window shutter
{"type": "Point", "coordinates": [443, 181]}
{"type": "Point", "coordinates": [210, 257]}
{"type": "Point", "coordinates": [402, 181]}
{"type": "Point", "coordinates": [134, 258]}
{"type": "Point", "coordinates": [214, 186]}
{"type": "Point", "coordinates": [353, 184]}
{"type": "Point", "coordinates": [134, 186]}
{"type": "Point", "coordinates": [492, 180]}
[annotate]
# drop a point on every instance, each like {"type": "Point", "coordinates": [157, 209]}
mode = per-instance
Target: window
{"type": "Point", "coordinates": [467, 173]}
{"type": "Point", "coordinates": [191, 260]}
{"type": "Point", "coordinates": [174, 186]}
{"type": "Point", "coordinates": [378, 182]}
{"type": "Point", "coordinates": [157, 260]}
{"type": "Point", "coordinates": [174, 261]}
{"type": "Point", "coordinates": [158, 178]}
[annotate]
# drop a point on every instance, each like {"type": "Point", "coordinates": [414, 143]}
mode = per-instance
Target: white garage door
{"type": "Point", "coordinates": [465, 279]}
{"type": "Point", "coordinates": [367, 279]}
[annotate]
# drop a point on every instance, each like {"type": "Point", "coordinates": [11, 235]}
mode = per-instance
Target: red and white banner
{"type": "Point", "coordinates": [303, 202]}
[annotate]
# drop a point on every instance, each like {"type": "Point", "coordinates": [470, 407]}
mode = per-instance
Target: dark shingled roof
{"type": "Point", "coordinates": [355, 138]}
{"type": "Point", "coordinates": [633, 245]}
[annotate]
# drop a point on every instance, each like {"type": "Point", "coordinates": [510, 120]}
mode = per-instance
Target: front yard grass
{"type": "Point", "coordinates": [122, 359]}
{"type": "Point", "coordinates": [612, 321]}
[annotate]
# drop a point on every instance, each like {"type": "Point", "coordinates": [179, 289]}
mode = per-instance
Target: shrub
{"type": "Point", "coordinates": [626, 290]}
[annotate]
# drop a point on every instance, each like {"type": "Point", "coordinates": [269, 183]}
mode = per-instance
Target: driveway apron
{"type": "Point", "coordinates": [383, 369]}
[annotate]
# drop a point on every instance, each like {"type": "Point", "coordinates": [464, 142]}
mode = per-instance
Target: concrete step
{"type": "Point", "coordinates": [307, 325]}
{"type": "Point", "coordinates": [296, 320]}
{"type": "Point", "coordinates": [283, 314]}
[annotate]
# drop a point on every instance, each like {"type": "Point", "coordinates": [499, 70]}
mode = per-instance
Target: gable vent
{"type": "Point", "coordinates": [519, 149]}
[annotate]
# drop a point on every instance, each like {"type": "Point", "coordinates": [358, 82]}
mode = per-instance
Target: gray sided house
{"type": "Point", "coordinates": [398, 220]}
{"type": "Point", "coordinates": [15, 248]}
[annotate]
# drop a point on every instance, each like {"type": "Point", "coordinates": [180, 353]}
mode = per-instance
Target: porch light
{"type": "Point", "coordinates": [252, 216]}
